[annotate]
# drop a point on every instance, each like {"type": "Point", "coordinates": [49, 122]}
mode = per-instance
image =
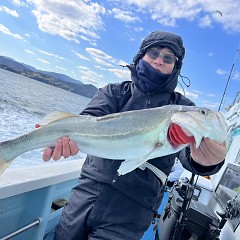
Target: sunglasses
{"type": "Point", "coordinates": [167, 57]}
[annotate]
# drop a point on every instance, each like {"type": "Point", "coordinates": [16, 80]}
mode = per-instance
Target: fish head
{"type": "Point", "coordinates": [201, 122]}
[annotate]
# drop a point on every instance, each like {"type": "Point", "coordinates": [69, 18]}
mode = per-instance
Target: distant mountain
{"type": "Point", "coordinates": [53, 74]}
{"type": "Point", "coordinates": [52, 78]}
{"type": "Point", "coordinates": [11, 62]}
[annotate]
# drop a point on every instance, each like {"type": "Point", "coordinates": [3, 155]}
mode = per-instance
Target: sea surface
{"type": "Point", "coordinates": [24, 102]}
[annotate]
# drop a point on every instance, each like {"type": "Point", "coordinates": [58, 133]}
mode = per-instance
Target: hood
{"type": "Point", "coordinates": [162, 39]}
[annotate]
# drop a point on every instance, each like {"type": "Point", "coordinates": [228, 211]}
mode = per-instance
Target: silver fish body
{"type": "Point", "coordinates": [134, 136]}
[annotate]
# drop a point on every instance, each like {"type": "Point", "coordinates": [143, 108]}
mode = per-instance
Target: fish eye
{"type": "Point", "coordinates": [203, 112]}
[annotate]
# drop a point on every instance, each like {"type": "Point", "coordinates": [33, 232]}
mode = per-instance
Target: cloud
{"type": "Point", "coordinates": [91, 76]}
{"type": "Point", "coordinates": [206, 12]}
{"type": "Point", "coordinates": [101, 68]}
{"type": "Point", "coordinates": [43, 61]}
{"type": "Point", "coordinates": [191, 95]}
{"type": "Point", "coordinates": [51, 54]}
{"type": "Point", "coordinates": [19, 3]}
{"type": "Point", "coordinates": [122, 74]}
{"type": "Point", "coordinates": [102, 62]}
{"type": "Point", "coordinates": [221, 72]}
{"type": "Point", "coordinates": [82, 56]}
{"type": "Point", "coordinates": [88, 79]}
{"type": "Point", "coordinates": [69, 19]}
{"type": "Point", "coordinates": [125, 16]}
{"type": "Point", "coordinates": [5, 30]}
{"type": "Point", "coordinates": [83, 68]}
{"type": "Point", "coordinates": [138, 29]}
{"type": "Point", "coordinates": [101, 57]}
{"type": "Point", "coordinates": [61, 68]}
{"type": "Point", "coordinates": [205, 21]}
{"type": "Point", "coordinates": [211, 105]}
{"type": "Point", "coordinates": [9, 11]}
{"type": "Point", "coordinates": [28, 51]}
{"type": "Point", "coordinates": [27, 35]}
{"type": "Point", "coordinates": [100, 54]}
{"type": "Point", "coordinates": [236, 75]}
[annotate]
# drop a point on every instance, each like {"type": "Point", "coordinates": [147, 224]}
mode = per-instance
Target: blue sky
{"type": "Point", "coordinates": [87, 40]}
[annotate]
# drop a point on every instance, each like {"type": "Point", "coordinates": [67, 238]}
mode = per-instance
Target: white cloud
{"type": "Point", "coordinates": [211, 105]}
{"type": "Point", "coordinates": [192, 94]}
{"type": "Point", "coordinates": [43, 61]}
{"type": "Point", "coordinates": [9, 11]}
{"type": "Point", "coordinates": [101, 68]}
{"type": "Point", "coordinates": [236, 75]}
{"type": "Point", "coordinates": [210, 95]}
{"type": "Point", "coordinates": [83, 68]}
{"type": "Point", "coordinates": [101, 57]}
{"type": "Point", "coordinates": [5, 30]}
{"type": "Point", "coordinates": [224, 12]}
{"type": "Point", "coordinates": [90, 80]}
{"type": "Point", "coordinates": [92, 74]}
{"type": "Point", "coordinates": [100, 54]}
{"type": "Point", "coordinates": [82, 56]}
{"type": "Point", "coordinates": [28, 51]}
{"type": "Point", "coordinates": [19, 3]}
{"type": "Point", "coordinates": [69, 19]}
{"type": "Point", "coordinates": [91, 77]}
{"type": "Point", "coordinates": [102, 62]}
{"type": "Point", "coordinates": [122, 74]}
{"type": "Point", "coordinates": [221, 72]}
{"type": "Point", "coordinates": [51, 54]}
{"type": "Point", "coordinates": [138, 29]}
{"type": "Point", "coordinates": [205, 21]}
{"type": "Point", "coordinates": [61, 68]}
{"type": "Point", "coordinates": [27, 35]}
{"type": "Point", "coordinates": [125, 16]}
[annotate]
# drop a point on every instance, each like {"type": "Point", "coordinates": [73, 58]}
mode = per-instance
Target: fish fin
{"type": "Point", "coordinates": [147, 157]}
{"type": "Point", "coordinates": [55, 115]}
{"type": "Point", "coordinates": [3, 166]}
{"type": "Point", "coordinates": [128, 166]}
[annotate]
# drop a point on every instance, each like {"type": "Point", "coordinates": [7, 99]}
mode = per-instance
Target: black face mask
{"type": "Point", "coordinates": [149, 80]}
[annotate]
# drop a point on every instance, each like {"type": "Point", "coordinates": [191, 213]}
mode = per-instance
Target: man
{"type": "Point", "coordinates": [105, 205]}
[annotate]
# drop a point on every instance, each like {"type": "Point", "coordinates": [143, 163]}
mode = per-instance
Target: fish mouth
{"type": "Point", "coordinates": [179, 135]}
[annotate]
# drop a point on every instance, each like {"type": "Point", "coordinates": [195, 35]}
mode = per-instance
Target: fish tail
{"type": "Point", "coordinates": [3, 166]}
{"type": "Point", "coordinates": [6, 155]}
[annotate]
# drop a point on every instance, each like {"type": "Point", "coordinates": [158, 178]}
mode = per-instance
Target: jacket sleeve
{"type": "Point", "coordinates": [104, 102]}
{"type": "Point", "coordinates": [189, 164]}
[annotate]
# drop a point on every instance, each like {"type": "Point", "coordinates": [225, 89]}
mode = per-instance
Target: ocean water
{"type": "Point", "coordinates": [23, 102]}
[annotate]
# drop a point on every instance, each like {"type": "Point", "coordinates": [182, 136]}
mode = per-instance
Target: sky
{"type": "Point", "coordinates": [89, 40]}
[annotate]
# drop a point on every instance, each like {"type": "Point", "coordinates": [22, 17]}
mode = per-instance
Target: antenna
{"type": "Point", "coordinates": [229, 77]}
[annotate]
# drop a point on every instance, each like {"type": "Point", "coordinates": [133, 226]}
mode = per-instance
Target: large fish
{"type": "Point", "coordinates": [134, 136]}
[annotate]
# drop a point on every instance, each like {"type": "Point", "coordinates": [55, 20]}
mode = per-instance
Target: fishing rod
{"type": "Point", "coordinates": [187, 196]}
{"type": "Point", "coordinates": [229, 77]}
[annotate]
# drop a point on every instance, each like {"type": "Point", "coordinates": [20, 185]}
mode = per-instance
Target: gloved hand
{"type": "Point", "coordinates": [177, 136]}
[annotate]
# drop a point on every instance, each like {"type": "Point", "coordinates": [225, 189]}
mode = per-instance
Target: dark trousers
{"type": "Point", "coordinates": [99, 211]}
